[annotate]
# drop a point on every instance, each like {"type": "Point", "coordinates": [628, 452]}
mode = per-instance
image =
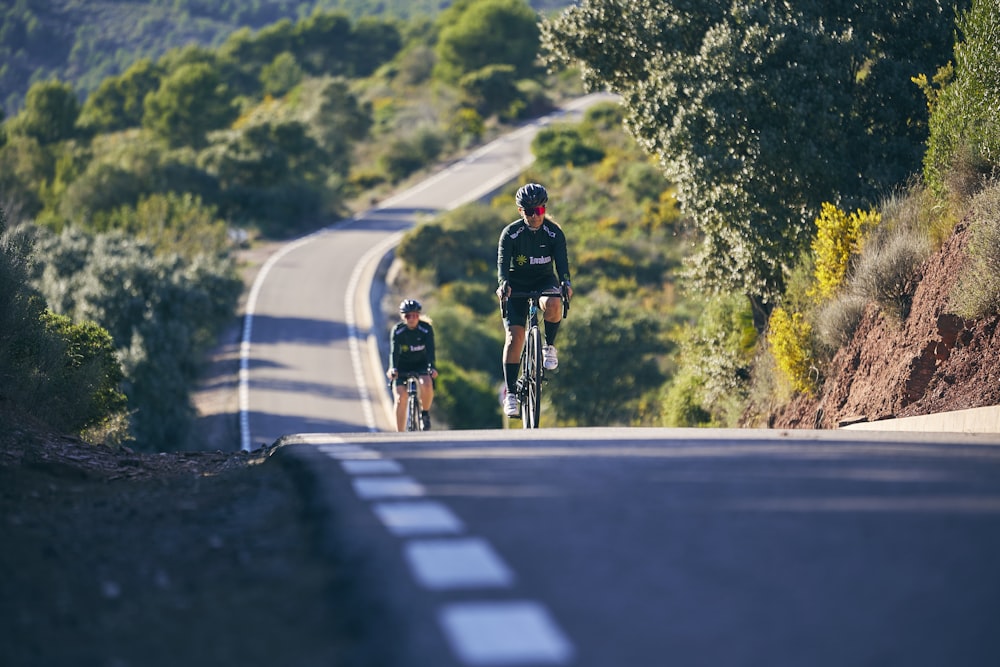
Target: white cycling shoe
{"type": "Point", "coordinates": [510, 407]}
{"type": "Point", "coordinates": [550, 358]}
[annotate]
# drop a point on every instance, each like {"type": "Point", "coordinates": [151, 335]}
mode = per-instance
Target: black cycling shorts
{"type": "Point", "coordinates": [517, 309]}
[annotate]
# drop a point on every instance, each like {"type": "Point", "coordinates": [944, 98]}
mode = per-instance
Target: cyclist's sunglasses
{"type": "Point", "coordinates": [530, 211]}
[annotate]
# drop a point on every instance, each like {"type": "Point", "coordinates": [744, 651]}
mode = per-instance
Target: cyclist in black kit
{"type": "Point", "coordinates": [531, 257]}
{"type": "Point", "coordinates": [412, 352]}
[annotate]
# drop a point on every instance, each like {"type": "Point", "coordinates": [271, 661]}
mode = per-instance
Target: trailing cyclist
{"type": "Point", "coordinates": [531, 256]}
{"type": "Point", "coordinates": [412, 343]}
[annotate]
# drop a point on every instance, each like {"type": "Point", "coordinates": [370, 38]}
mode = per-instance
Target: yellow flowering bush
{"type": "Point", "coordinates": [788, 337]}
{"type": "Point", "coordinates": [838, 236]}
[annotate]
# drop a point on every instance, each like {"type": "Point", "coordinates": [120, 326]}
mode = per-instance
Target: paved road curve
{"type": "Point", "coordinates": [655, 548]}
{"type": "Point", "coordinates": [306, 360]}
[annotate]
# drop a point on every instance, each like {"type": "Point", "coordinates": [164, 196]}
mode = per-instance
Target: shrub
{"type": "Point", "coordinates": [886, 272]}
{"type": "Point", "coordinates": [838, 237]}
{"type": "Point", "coordinates": [977, 292]}
{"type": "Point", "coordinates": [717, 350]}
{"type": "Point", "coordinates": [560, 145]}
{"type": "Point", "coordinates": [84, 384]}
{"type": "Point", "coordinates": [63, 374]}
{"type": "Point", "coordinates": [964, 122]}
{"type": "Point", "coordinates": [681, 403]}
{"type": "Point", "coordinates": [789, 339]}
{"type": "Point", "coordinates": [837, 319]}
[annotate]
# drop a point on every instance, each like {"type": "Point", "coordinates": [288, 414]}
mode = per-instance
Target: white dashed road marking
{"type": "Point", "coordinates": [481, 633]}
{"type": "Point", "coordinates": [449, 564]}
{"type": "Point", "coordinates": [376, 488]}
{"type": "Point", "coordinates": [418, 518]}
{"type": "Point", "coordinates": [504, 633]}
{"type": "Point", "coordinates": [344, 451]}
{"type": "Point", "coordinates": [371, 467]}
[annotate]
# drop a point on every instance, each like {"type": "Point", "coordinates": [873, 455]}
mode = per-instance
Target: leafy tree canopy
{"type": "Point", "coordinates": [475, 35]}
{"type": "Point", "coordinates": [191, 101]}
{"type": "Point", "coordinates": [760, 112]}
{"type": "Point", "coordinates": [49, 113]}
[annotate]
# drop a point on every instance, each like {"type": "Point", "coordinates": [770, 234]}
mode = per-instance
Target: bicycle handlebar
{"type": "Point", "coordinates": [410, 374]}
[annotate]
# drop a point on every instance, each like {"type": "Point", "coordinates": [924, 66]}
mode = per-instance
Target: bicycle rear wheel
{"type": "Point", "coordinates": [531, 406]}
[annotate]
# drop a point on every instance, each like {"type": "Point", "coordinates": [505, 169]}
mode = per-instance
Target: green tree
{"type": "Point", "coordinates": [478, 34]}
{"type": "Point", "coordinates": [561, 145]}
{"type": "Point", "coordinates": [270, 172]}
{"type": "Point", "coordinates": [190, 102]}
{"type": "Point", "coordinates": [374, 41]}
{"type": "Point", "coordinates": [323, 43]}
{"type": "Point", "coordinates": [25, 166]}
{"type": "Point", "coordinates": [50, 113]}
{"type": "Point", "coordinates": [118, 101]}
{"type": "Point", "coordinates": [760, 112]}
{"type": "Point", "coordinates": [611, 354]}
{"type": "Point", "coordinates": [281, 75]}
{"type": "Point", "coordinates": [492, 90]}
{"type": "Point", "coordinates": [339, 120]}
{"type": "Point", "coordinates": [965, 113]}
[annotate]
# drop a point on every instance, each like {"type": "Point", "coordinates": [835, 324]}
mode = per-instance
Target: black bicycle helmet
{"type": "Point", "coordinates": [409, 306]}
{"type": "Point", "coordinates": [531, 195]}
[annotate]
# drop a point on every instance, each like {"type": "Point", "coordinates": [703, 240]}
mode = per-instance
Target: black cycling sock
{"type": "Point", "coordinates": [551, 329]}
{"type": "Point", "coordinates": [510, 376]}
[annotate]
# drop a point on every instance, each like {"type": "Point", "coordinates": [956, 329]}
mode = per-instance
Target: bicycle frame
{"type": "Point", "coordinates": [413, 405]}
{"type": "Point", "coordinates": [532, 372]}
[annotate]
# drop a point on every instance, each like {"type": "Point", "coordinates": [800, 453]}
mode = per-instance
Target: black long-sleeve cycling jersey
{"type": "Point", "coordinates": [413, 349]}
{"type": "Point", "coordinates": [526, 257]}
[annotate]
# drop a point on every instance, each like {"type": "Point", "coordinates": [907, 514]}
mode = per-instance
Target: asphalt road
{"type": "Point", "coordinates": [656, 547]}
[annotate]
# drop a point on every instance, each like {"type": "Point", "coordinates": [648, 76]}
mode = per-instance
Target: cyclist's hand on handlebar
{"type": "Point", "coordinates": [503, 291]}
{"type": "Point", "coordinates": [432, 372]}
{"type": "Point", "coordinates": [392, 373]}
{"type": "Point", "coordinates": [567, 290]}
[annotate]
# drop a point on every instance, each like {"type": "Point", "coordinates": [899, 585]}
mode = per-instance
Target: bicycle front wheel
{"type": "Point", "coordinates": [413, 422]}
{"type": "Point", "coordinates": [531, 406]}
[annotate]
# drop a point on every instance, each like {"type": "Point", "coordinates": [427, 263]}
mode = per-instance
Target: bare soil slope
{"type": "Point", "coordinates": [933, 361]}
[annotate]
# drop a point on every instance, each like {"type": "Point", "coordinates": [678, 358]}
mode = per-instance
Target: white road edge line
{"type": "Point", "coordinates": [244, 375]}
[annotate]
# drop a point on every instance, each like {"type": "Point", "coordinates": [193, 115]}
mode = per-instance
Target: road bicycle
{"type": "Point", "coordinates": [532, 371]}
{"type": "Point", "coordinates": [414, 408]}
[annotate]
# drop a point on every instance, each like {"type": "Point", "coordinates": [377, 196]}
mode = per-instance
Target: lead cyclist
{"type": "Point", "coordinates": [531, 256]}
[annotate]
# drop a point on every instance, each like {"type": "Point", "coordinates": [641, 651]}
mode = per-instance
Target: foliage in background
{"type": "Point", "coordinates": [760, 112]}
{"type": "Point", "coordinates": [88, 42]}
{"type": "Point", "coordinates": [977, 292]}
{"type": "Point", "coordinates": [62, 374]}
{"type": "Point", "coordinates": [965, 103]}
{"type": "Point", "coordinates": [140, 195]}
{"type": "Point", "coordinates": [162, 311]}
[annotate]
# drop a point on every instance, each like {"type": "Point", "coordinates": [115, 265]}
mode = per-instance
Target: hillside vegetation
{"type": "Point", "coordinates": [771, 172]}
{"type": "Point", "coordinates": [83, 43]}
{"type": "Point", "coordinates": [128, 210]}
